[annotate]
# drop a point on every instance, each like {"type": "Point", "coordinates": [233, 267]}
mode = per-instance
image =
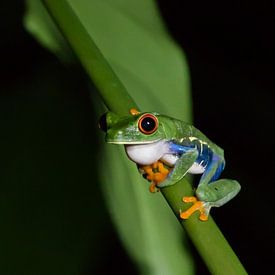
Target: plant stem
{"type": "Point", "coordinates": [90, 57]}
{"type": "Point", "coordinates": [206, 236]}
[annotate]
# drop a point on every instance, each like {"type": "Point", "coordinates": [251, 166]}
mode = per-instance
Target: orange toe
{"type": "Point", "coordinates": [197, 206]}
{"type": "Point", "coordinates": [189, 199]}
{"type": "Point", "coordinates": [153, 188]}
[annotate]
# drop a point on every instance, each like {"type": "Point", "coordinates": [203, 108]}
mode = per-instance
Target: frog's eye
{"type": "Point", "coordinates": [148, 124]}
{"type": "Point", "coordinates": [102, 123]}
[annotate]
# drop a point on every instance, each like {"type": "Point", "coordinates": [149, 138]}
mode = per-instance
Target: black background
{"type": "Point", "coordinates": [230, 51]}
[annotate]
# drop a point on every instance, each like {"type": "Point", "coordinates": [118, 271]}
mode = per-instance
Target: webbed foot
{"type": "Point", "coordinates": [214, 194]}
{"type": "Point", "coordinates": [155, 173]}
{"type": "Point", "coordinates": [197, 206]}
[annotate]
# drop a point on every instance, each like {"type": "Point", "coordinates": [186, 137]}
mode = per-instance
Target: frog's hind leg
{"type": "Point", "coordinates": [215, 194]}
{"type": "Point", "coordinates": [219, 192]}
{"type": "Point", "coordinates": [211, 193]}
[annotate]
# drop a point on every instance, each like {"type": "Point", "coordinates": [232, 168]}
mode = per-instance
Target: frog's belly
{"type": "Point", "coordinates": [169, 159]}
{"type": "Point", "coordinates": [196, 168]}
{"type": "Point", "coordinates": [147, 154]}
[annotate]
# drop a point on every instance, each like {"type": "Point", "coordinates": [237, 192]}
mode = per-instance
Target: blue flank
{"type": "Point", "coordinates": [221, 165]}
{"type": "Point", "coordinates": [180, 149]}
{"type": "Point", "coordinates": [214, 161]}
{"type": "Point", "coordinates": [205, 154]}
{"type": "Point", "coordinates": [206, 158]}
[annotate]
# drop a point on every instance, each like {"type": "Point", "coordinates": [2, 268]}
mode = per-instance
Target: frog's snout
{"type": "Point", "coordinates": [107, 121]}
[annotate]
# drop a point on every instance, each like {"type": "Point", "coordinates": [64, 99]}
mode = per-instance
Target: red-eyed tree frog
{"type": "Point", "coordinates": [166, 149]}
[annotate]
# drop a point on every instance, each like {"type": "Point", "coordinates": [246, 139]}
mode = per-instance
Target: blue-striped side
{"type": "Point", "coordinates": [206, 158]}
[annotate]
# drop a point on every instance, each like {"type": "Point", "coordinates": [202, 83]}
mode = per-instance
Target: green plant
{"type": "Point", "coordinates": [72, 19]}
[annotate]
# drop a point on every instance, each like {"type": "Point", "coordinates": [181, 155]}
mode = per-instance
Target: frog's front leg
{"type": "Point", "coordinates": [211, 194]}
{"type": "Point", "coordinates": [180, 169]}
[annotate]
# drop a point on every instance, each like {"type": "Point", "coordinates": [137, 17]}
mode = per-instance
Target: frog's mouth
{"type": "Point", "coordinates": [125, 142]}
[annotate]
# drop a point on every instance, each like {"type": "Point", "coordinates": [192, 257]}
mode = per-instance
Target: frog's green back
{"type": "Point", "coordinates": [181, 131]}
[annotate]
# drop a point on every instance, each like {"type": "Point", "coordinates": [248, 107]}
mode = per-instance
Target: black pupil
{"type": "Point", "coordinates": [103, 123]}
{"type": "Point", "coordinates": [148, 124]}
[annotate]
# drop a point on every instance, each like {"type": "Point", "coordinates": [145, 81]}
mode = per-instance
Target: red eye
{"type": "Point", "coordinates": [148, 124]}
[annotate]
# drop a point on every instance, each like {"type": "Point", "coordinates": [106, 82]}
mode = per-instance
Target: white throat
{"type": "Point", "coordinates": [146, 154]}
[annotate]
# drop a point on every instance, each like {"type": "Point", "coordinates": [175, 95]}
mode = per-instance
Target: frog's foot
{"type": "Point", "coordinates": [200, 206]}
{"type": "Point", "coordinates": [155, 173]}
{"type": "Point", "coordinates": [150, 175]}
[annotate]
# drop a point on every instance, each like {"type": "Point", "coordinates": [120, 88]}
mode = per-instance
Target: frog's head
{"type": "Point", "coordinates": [138, 128]}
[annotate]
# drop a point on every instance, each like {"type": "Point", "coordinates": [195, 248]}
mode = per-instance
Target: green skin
{"type": "Point", "coordinates": [213, 193]}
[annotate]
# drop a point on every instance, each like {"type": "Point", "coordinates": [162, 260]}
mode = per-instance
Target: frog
{"type": "Point", "coordinates": [166, 149]}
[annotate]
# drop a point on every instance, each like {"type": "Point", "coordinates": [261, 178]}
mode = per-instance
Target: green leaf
{"type": "Point", "coordinates": [38, 22]}
{"type": "Point", "coordinates": [133, 39]}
